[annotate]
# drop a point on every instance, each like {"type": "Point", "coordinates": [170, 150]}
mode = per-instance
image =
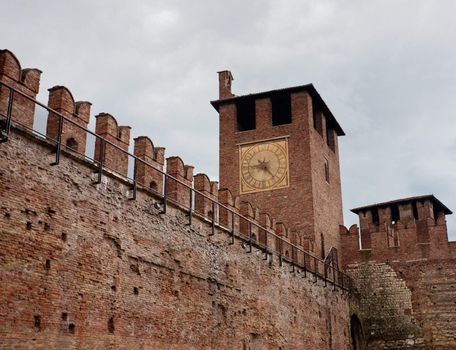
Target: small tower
{"type": "Point", "coordinates": [404, 229]}
{"type": "Point", "coordinates": [279, 151]}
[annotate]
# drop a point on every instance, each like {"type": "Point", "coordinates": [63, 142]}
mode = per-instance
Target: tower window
{"type": "Point", "coordinates": [326, 170]}
{"type": "Point", "coordinates": [375, 218]}
{"type": "Point", "coordinates": [245, 114]}
{"type": "Point", "coordinates": [330, 137]}
{"type": "Point", "coordinates": [395, 215]}
{"type": "Point", "coordinates": [281, 109]}
{"type": "Point", "coordinates": [318, 122]}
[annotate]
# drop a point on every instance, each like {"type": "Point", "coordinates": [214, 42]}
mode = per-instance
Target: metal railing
{"type": "Point", "coordinates": [254, 236]}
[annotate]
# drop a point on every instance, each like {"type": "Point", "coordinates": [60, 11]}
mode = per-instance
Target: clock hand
{"type": "Point", "coordinates": [269, 171]}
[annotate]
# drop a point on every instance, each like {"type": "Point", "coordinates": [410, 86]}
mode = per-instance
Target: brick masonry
{"type": "Point", "coordinates": [82, 266]}
{"type": "Point", "coordinates": [405, 274]}
{"type": "Point", "coordinates": [310, 207]}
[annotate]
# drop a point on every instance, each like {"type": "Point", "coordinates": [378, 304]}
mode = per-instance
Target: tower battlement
{"type": "Point", "coordinates": [399, 230]}
{"type": "Point", "coordinates": [279, 151]}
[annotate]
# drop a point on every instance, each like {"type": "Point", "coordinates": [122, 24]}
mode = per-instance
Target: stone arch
{"type": "Point", "coordinates": [357, 335]}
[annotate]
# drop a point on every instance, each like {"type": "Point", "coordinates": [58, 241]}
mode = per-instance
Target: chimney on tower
{"type": "Point", "coordinates": [225, 79]}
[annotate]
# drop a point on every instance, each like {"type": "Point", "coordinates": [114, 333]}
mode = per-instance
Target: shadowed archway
{"type": "Point", "coordinates": [357, 336]}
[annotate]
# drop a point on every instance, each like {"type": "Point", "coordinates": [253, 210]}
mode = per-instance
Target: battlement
{"type": "Point", "coordinates": [27, 81]}
{"type": "Point", "coordinates": [403, 229]}
{"type": "Point", "coordinates": [168, 179]}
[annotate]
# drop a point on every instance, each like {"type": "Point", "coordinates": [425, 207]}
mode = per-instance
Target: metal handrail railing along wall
{"type": "Point", "coordinates": [310, 263]}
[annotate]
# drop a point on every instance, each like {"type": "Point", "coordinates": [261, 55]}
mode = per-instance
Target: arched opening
{"type": "Point", "coordinates": [356, 331]}
{"type": "Point", "coordinates": [72, 144]}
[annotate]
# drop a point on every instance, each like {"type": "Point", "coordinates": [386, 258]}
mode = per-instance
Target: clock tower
{"type": "Point", "coordinates": [279, 151]}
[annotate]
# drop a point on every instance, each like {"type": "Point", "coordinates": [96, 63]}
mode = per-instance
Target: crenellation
{"type": "Point", "coordinates": [30, 77]}
{"type": "Point", "coordinates": [246, 228]}
{"type": "Point", "coordinates": [26, 81]}
{"type": "Point", "coordinates": [226, 218]}
{"type": "Point", "coordinates": [61, 99]}
{"type": "Point", "coordinates": [114, 157]}
{"type": "Point", "coordinates": [74, 137]}
{"type": "Point", "coordinates": [425, 211]}
{"type": "Point", "coordinates": [205, 205]}
{"type": "Point", "coordinates": [264, 237]}
{"type": "Point", "coordinates": [149, 175]}
{"type": "Point", "coordinates": [406, 213]}
{"type": "Point", "coordinates": [82, 110]}
{"type": "Point", "coordinates": [179, 191]}
{"type": "Point", "coordinates": [384, 215]}
{"type": "Point", "coordinates": [10, 66]}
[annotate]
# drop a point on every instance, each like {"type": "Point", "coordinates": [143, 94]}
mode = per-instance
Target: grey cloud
{"type": "Point", "coordinates": [385, 68]}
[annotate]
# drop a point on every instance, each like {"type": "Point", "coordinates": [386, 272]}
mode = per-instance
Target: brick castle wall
{"type": "Point", "coordinates": [406, 277]}
{"type": "Point", "coordinates": [84, 266]}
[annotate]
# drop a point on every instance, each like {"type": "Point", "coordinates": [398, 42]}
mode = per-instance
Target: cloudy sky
{"type": "Point", "coordinates": [386, 68]}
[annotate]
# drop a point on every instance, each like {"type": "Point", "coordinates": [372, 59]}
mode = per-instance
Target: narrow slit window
{"type": "Point", "coordinates": [326, 170]}
{"type": "Point", "coordinates": [281, 109]}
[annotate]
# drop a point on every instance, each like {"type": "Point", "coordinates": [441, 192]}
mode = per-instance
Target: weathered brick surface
{"type": "Point", "coordinates": [82, 266]}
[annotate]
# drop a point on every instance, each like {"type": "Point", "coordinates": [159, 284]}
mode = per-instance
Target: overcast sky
{"type": "Point", "coordinates": [386, 69]}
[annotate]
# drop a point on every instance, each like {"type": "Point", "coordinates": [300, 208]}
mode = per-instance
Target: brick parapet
{"type": "Point", "coordinates": [149, 174]}
{"type": "Point", "coordinates": [26, 81]}
{"type": "Point", "coordinates": [74, 137]}
{"type": "Point", "coordinates": [114, 157]}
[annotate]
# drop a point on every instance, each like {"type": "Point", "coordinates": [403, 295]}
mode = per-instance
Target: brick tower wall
{"type": "Point", "coordinates": [406, 276]}
{"type": "Point", "coordinates": [310, 206]}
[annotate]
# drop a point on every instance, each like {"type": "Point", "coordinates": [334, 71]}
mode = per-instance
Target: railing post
{"type": "Point", "coordinates": [135, 182]}
{"type": "Point", "coordinates": [292, 260]}
{"type": "Point", "coordinates": [190, 205]}
{"type": "Point", "coordinates": [334, 277]}
{"type": "Point", "coordinates": [165, 194]}
{"type": "Point", "coordinates": [59, 142]}
{"type": "Point", "coordinates": [265, 245]}
{"type": "Point", "coordinates": [342, 280]}
{"type": "Point", "coordinates": [250, 236]}
{"type": "Point", "coordinates": [101, 161]}
{"type": "Point", "coordinates": [305, 268]}
{"type": "Point", "coordinates": [315, 269]}
{"type": "Point", "coordinates": [325, 272]}
{"type": "Point", "coordinates": [213, 220]}
{"type": "Point", "coordinates": [9, 113]}
{"type": "Point", "coordinates": [232, 227]}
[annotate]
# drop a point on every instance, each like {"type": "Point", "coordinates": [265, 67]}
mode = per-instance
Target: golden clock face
{"type": "Point", "coordinates": [264, 166]}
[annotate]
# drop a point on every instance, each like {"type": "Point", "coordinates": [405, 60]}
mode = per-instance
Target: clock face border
{"type": "Point", "coordinates": [244, 187]}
